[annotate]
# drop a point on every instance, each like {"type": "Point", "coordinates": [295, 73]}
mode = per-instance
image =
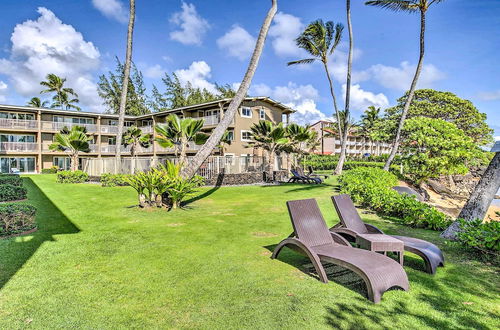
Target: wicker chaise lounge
{"type": "Point", "coordinates": [312, 238]}
{"type": "Point", "coordinates": [300, 178]}
{"type": "Point", "coordinates": [351, 225]}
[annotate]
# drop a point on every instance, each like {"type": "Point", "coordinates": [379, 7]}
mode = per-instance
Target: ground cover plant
{"type": "Point", "coordinates": [114, 180]}
{"type": "Point", "coordinates": [16, 218]}
{"type": "Point", "coordinates": [10, 192]}
{"type": "Point", "coordinates": [97, 263]}
{"type": "Point", "coordinates": [14, 180]}
{"type": "Point", "coordinates": [72, 177]}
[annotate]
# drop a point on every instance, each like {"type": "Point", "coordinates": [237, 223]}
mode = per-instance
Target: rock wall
{"type": "Point", "coordinates": [235, 179]}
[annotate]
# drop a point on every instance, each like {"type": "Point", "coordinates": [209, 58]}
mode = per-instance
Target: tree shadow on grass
{"type": "Point", "coordinates": [207, 193]}
{"type": "Point", "coordinates": [16, 251]}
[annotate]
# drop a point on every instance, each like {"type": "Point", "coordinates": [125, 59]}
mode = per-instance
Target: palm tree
{"type": "Point", "coordinates": [410, 6]}
{"type": "Point", "coordinates": [343, 140]}
{"type": "Point", "coordinates": [73, 142]}
{"type": "Point", "coordinates": [35, 102]}
{"type": "Point", "coordinates": [218, 132]}
{"type": "Point", "coordinates": [63, 102]}
{"type": "Point", "coordinates": [55, 84]}
{"type": "Point", "coordinates": [179, 133]}
{"type": "Point", "coordinates": [226, 140]}
{"type": "Point", "coordinates": [134, 138]}
{"type": "Point", "coordinates": [320, 40]}
{"type": "Point", "coordinates": [126, 78]}
{"type": "Point", "coordinates": [297, 136]}
{"type": "Point", "coordinates": [269, 137]}
{"type": "Point", "coordinates": [368, 123]}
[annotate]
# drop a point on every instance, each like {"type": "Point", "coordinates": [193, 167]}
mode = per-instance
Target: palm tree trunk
{"type": "Point", "coordinates": [411, 93]}
{"type": "Point", "coordinates": [480, 199]}
{"type": "Point", "coordinates": [74, 162]}
{"type": "Point", "coordinates": [126, 74]}
{"type": "Point", "coordinates": [221, 128]}
{"type": "Point", "coordinates": [332, 92]}
{"type": "Point", "coordinates": [343, 147]}
{"type": "Point", "coordinates": [182, 157]}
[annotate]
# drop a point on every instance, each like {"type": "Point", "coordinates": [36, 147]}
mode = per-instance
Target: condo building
{"type": "Point", "coordinates": [27, 132]}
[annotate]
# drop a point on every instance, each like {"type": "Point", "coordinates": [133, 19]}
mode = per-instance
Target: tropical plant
{"type": "Point", "coordinates": [73, 142]}
{"type": "Point", "coordinates": [479, 235]}
{"type": "Point", "coordinates": [55, 84]}
{"type": "Point", "coordinates": [297, 136]}
{"type": "Point", "coordinates": [72, 177]}
{"type": "Point", "coordinates": [269, 137]}
{"type": "Point", "coordinates": [35, 102]}
{"type": "Point", "coordinates": [235, 103]}
{"type": "Point", "coordinates": [320, 40]}
{"type": "Point", "coordinates": [409, 6]}
{"type": "Point", "coordinates": [226, 140]}
{"type": "Point", "coordinates": [125, 83]}
{"type": "Point", "coordinates": [178, 133]}
{"type": "Point", "coordinates": [16, 218]}
{"type": "Point", "coordinates": [134, 138]}
{"type": "Point", "coordinates": [62, 101]}
{"type": "Point", "coordinates": [368, 125]}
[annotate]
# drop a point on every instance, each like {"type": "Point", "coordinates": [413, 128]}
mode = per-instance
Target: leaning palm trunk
{"type": "Point", "coordinates": [411, 93]}
{"type": "Point", "coordinates": [335, 107]}
{"type": "Point", "coordinates": [126, 74]}
{"type": "Point", "coordinates": [218, 132]}
{"type": "Point", "coordinates": [480, 199]}
{"type": "Point", "coordinates": [343, 140]}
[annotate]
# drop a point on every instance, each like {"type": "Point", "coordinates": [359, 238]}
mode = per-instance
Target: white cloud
{"type": "Point", "coordinates": [497, 138]}
{"type": "Point", "coordinates": [237, 42]}
{"type": "Point", "coordinates": [490, 96]}
{"type": "Point", "coordinates": [47, 45]}
{"type": "Point", "coordinates": [192, 27]}
{"type": "Point", "coordinates": [3, 90]}
{"type": "Point", "coordinates": [285, 29]}
{"type": "Point", "coordinates": [197, 74]}
{"type": "Point", "coordinates": [299, 97]}
{"type": "Point", "coordinates": [154, 72]}
{"type": "Point", "coordinates": [113, 9]}
{"type": "Point", "coordinates": [338, 65]}
{"type": "Point", "coordinates": [361, 99]}
{"type": "Point", "coordinates": [400, 78]}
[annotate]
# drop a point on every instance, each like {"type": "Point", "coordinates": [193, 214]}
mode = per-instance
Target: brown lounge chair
{"type": "Point", "coordinates": [351, 225]}
{"type": "Point", "coordinates": [312, 238]}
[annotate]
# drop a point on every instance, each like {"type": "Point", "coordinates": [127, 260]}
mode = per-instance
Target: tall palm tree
{"type": "Point", "coordinates": [368, 123]}
{"type": "Point", "coordinates": [62, 101]}
{"type": "Point", "coordinates": [35, 102]}
{"type": "Point", "coordinates": [126, 78]}
{"type": "Point", "coordinates": [320, 40]}
{"type": "Point", "coordinates": [235, 103]}
{"type": "Point", "coordinates": [343, 140]}
{"type": "Point", "coordinates": [73, 142]}
{"type": "Point", "coordinates": [410, 6]}
{"type": "Point", "coordinates": [178, 133]}
{"type": "Point", "coordinates": [55, 84]}
{"type": "Point", "coordinates": [271, 138]}
{"type": "Point", "coordinates": [134, 138]}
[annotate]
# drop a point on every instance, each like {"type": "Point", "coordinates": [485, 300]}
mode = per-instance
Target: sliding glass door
{"type": "Point", "coordinates": [17, 164]}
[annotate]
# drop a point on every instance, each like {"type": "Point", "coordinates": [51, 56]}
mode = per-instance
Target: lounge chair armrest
{"type": "Point", "coordinates": [338, 225]}
{"type": "Point", "coordinates": [344, 232]}
{"type": "Point", "coordinates": [372, 229]}
{"type": "Point", "coordinates": [340, 240]}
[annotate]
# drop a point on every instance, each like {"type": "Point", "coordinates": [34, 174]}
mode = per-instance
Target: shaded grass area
{"type": "Point", "coordinates": [98, 263]}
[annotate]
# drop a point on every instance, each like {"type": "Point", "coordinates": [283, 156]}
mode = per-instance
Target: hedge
{"type": "Point", "coordinates": [113, 180]}
{"type": "Point", "coordinates": [371, 187]}
{"type": "Point", "coordinates": [14, 180]}
{"type": "Point", "coordinates": [479, 235]}
{"type": "Point", "coordinates": [16, 218]}
{"type": "Point", "coordinates": [72, 177]}
{"type": "Point", "coordinates": [52, 170]}
{"type": "Point", "coordinates": [10, 192]}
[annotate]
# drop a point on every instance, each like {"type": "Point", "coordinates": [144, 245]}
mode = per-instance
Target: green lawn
{"type": "Point", "coordinates": [98, 262]}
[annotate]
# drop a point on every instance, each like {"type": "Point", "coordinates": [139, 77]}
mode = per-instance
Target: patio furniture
{"type": "Point", "coordinates": [312, 174]}
{"type": "Point", "coordinates": [381, 243]}
{"type": "Point", "coordinates": [301, 173]}
{"type": "Point", "coordinates": [312, 238]}
{"type": "Point", "coordinates": [300, 178]}
{"type": "Point", "coordinates": [351, 226]}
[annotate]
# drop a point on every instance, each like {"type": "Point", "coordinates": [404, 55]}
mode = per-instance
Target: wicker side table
{"type": "Point", "coordinates": [381, 243]}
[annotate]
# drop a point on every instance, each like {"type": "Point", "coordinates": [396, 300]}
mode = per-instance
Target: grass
{"type": "Point", "coordinates": [97, 262]}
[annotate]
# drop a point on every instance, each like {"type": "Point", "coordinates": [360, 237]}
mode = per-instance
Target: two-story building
{"type": "Point", "coordinates": [27, 132]}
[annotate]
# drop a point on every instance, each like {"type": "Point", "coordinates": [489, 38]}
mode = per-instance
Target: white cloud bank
{"type": "Point", "coordinates": [192, 27]}
{"type": "Point", "coordinates": [47, 45]}
{"type": "Point", "coordinates": [3, 91]}
{"type": "Point", "coordinates": [237, 42]}
{"type": "Point", "coordinates": [197, 74]}
{"type": "Point", "coordinates": [154, 72]}
{"type": "Point", "coordinates": [361, 99]}
{"type": "Point", "coordinates": [285, 29]}
{"type": "Point", "coordinates": [113, 9]}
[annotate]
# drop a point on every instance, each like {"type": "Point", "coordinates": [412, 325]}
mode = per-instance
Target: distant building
{"type": "Point", "coordinates": [27, 132]}
{"type": "Point", "coordinates": [355, 145]}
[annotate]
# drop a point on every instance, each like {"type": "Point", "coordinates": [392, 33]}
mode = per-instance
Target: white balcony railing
{"type": "Point", "coordinates": [109, 129]}
{"type": "Point", "coordinates": [18, 146]}
{"type": "Point", "coordinates": [57, 126]}
{"type": "Point", "coordinates": [146, 129]}
{"type": "Point", "coordinates": [111, 149]}
{"type": "Point", "coordinates": [18, 124]}
{"type": "Point", "coordinates": [210, 120]}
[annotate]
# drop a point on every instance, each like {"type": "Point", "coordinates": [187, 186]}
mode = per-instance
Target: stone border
{"type": "Point", "coordinates": [20, 234]}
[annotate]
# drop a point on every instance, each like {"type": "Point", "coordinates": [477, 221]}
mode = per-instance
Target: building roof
{"type": "Point", "coordinates": [277, 104]}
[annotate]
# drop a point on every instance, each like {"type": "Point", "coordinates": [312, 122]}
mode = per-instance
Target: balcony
{"type": "Point", "coordinates": [58, 126]}
{"type": "Point", "coordinates": [146, 129]}
{"type": "Point", "coordinates": [19, 146]}
{"type": "Point", "coordinates": [18, 124]}
{"type": "Point", "coordinates": [210, 120]}
{"type": "Point", "coordinates": [109, 129]}
{"type": "Point", "coordinates": [111, 149]}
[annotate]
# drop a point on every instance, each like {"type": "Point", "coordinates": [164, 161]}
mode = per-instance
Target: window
{"type": "Point", "coordinates": [62, 163]}
{"type": "Point", "coordinates": [17, 164]}
{"type": "Point", "coordinates": [72, 120]}
{"type": "Point", "coordinates": [112, 141]}
{"type": "Point", "coordinates": [18, 116]}
{"type": "Point", "coordinates": [230, 135]}
{"type": "Point", "coordinates": [17, 138]}
{"type": "Point", "coordinates": [246, 136]}
{"type": "Point", "coordinates": [262, 114]}
{"type": "Point", "coordinates": [246, 112]}
{"type": "Point", "coordinates": [147, 122]}
{"type": "Point", "coordinates": [128, 123]}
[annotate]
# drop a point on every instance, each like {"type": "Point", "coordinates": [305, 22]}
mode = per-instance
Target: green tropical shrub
{"type": "Point", "coordinates": [16, 218]}
{"type": "Point", "coordinates": [320, 162]}
{"type": "Point", "coordinates": [10, 192]}
{"type": "Point", "coordinates": [52, 170]}
{"type": "Point", "coordinates": [371, 187]}
{"type": "Point", "coordinates": [479, 235]}
{"type": "Point", "coordinates": [72, 177]}
{"type": "Point", "coordinates": [114, 180]}
{"type": "Point", "coordinates": [14, 180]}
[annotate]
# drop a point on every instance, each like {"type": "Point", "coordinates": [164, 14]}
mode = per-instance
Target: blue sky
{"type": "Point", "coordinates": [210, 41]}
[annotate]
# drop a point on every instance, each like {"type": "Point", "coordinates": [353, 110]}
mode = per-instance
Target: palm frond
{"type": "Point", "coordinates": [304, 61]}
{"type": "Point", "coordinates": [396, 5]}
